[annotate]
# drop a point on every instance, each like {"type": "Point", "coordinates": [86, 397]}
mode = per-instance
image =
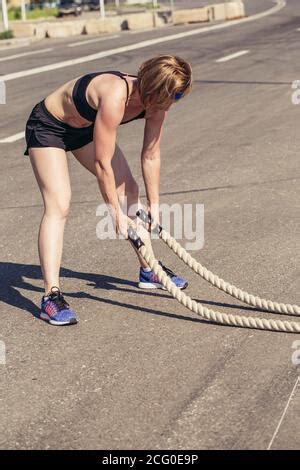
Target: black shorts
{"type": "Point", "coordinates": [44, 130]}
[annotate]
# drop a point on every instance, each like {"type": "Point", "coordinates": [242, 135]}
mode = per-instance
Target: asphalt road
{"type": "Point", "coordinates": [140, 371]}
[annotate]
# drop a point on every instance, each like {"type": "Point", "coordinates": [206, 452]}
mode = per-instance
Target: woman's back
{"type": "Point", "coordinates": [77, 101]}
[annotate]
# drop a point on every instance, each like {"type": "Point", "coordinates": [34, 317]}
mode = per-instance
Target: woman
{"type": "Point", "coordinates": [82, 116]}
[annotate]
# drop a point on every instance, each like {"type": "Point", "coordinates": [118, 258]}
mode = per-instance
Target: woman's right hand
{"type": "Point", "coordinates": [122, 225]}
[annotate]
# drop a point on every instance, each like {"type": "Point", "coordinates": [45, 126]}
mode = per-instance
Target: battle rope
{"type": "Point", "coordinates": [198, 308]}
{"type": "Point", "coordinates": [215, 280]}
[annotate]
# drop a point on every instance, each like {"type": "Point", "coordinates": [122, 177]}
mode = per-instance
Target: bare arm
{"type": "Point", "coordinates": [108, 118]}
{"type": "Point", "coordinates": [151, 160]}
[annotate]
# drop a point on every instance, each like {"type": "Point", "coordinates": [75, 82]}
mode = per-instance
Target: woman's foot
{"type": "Point", "coordinates": [56, 310]}
{"type": "Point", "coordinates": [149, 280]}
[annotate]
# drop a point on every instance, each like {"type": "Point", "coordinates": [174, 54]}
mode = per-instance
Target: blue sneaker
{"type": "Point", "coordinates": [56, 310]}
{"type": "Point", "coordinates": [149, 280]}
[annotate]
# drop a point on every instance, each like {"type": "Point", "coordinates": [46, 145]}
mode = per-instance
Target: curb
{"type": "Point", "coordinates": [17, 42]}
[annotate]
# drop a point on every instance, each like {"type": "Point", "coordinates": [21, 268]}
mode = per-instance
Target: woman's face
{"type": "Point", "coordinates": [172, 100]}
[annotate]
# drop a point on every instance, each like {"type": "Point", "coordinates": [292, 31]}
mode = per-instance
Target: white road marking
{"type": "Point", "coordinates": [232, 56]}
{"type": "Point", "coordinates": [151, 42]}
{"type": "Point", "coordinates": [89, 41]}
{"type": "Point", "coordinates": [23, 54]}
{"type": "Point", "coordinates": [283, 415]}
{"type": "Point", "coordinates": [13, 138]}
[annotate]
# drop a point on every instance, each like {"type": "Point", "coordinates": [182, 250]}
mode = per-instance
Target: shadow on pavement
{"type": "Point", "coordinates": [12, 275]}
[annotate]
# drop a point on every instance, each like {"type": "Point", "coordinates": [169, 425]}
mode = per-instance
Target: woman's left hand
{"type": "Point", "coordinates": [153, 211]}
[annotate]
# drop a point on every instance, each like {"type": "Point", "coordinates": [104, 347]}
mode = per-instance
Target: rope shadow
{"type": "Point", "coordinates": [84, 295]}
{"type": "Point", "coordinates": [12, 275]}
{"type": "Point", "coordinates": [234, 306]}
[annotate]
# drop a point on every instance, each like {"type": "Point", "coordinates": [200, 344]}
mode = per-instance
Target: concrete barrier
{"type": "Point", "coordinates": [140, 21]}
{"type": "Point", "coordinates": [162, 18]}
{"type": "Point", "coordinates": [216, 12]}
{"type": "Point", "coordinates": [65, 29]}
{"type": "Point", "coordinates": [235, 10]}
{"type": "Point", "coordinates": [103, 25]}
{"type": "Point", "coordinates": [23, 30]}
{"type": "Point", "coordinates": [193, 15]}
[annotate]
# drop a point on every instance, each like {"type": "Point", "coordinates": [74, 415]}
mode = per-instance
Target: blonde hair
{"type": "Point", "coordinates": [160, 78]}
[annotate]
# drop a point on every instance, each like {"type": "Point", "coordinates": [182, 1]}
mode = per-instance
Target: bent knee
{"type": "Point", "coordinates": [58, 207]}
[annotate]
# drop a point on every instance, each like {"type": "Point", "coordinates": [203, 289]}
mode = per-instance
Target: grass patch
{"type": "Point", "coordinates": [6, 34]}
{"type": "Point", "coordinates": [15, 13]}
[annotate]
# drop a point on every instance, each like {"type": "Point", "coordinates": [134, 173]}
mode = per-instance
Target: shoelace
{"type": "Point", "coordinates": [58, 299]}
{"type": "Point", "coordinates": [168, 271]}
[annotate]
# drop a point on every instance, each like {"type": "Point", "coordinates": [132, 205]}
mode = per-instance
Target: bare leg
{"type": "Point", "coordinates": [51, 170]}
{"type": "Point", "coordinates": [126, 185]}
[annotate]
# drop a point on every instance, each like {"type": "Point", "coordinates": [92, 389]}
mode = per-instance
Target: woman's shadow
{"type": "Point", "coordinates": [13, 274]}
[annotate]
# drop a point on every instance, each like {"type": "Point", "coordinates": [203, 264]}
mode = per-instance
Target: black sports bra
{"type": "Point", "coordinates": [80, 101]}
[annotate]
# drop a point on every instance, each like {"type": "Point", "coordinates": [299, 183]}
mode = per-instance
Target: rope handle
{"type": "Point", "coordinates": [147, 219]}
{"type": "Point", "coordinates": [134, 239]}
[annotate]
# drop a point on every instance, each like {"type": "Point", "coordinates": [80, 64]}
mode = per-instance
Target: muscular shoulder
{"type": "Point", "coordinates": [112, 95]}
{"type": "Point", "coordinates": [110, 88]}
